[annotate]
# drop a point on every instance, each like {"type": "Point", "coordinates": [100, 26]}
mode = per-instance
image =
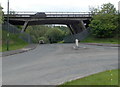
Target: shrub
{"type": "Point", "coordinates": [102, 30]}
{"type": "Point", "coordinates": [54, 35]}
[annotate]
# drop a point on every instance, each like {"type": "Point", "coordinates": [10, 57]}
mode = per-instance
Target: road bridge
{"type": "Point", "coordinates": [76, 21]}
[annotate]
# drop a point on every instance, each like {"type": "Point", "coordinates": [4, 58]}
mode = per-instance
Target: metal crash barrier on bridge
{"type": "Point", "coordinates": [49, 14]}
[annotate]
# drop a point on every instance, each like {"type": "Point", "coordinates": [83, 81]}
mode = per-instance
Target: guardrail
{"type": "Point", "coordinates": [33, 12]}
{"type": "Point", "coordinates": [68, 15]}
{"type": "Point", "coordinates": [50, 14]}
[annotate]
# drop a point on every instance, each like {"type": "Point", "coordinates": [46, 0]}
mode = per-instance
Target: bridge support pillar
{"type": "Point", "coordinates": [71, 29]}
{"type": "Point", "coordinates": [81, 23]}
{"type": "Point", "coordinates": [77, 27]}
{"type": "Point", "coordinates": [24, 26]}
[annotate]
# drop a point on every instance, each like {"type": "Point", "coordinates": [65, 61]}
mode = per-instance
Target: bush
{"type": "Point", "coordinates": [36, 32]}
{"type": "Point", "coordinates": [102, 30]}
{"type": "Point", "coordinates": [54, 35]}
{"type": "Point", "coordinates": [34, 39]}
{"type": "Point", "coordinates": [51, 34]}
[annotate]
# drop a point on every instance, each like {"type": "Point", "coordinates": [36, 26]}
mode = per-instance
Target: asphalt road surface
{"type": "Point", "coordinates": [53, 64]}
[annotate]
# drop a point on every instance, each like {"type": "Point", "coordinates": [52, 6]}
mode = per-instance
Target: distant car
{"type": "Point", "coordinates": [39, 14]}
{"type": "Point", "coordinates": [41, 42]}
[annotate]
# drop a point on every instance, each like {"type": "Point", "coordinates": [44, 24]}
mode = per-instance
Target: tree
{"type": "Point", "coordinates": [108, 8]}
{"type": "Point", "coordinates": [48, 34]}
{"type": "Point", "coordinates": [37, 31]}
{"type": "Point", "coordinates": [54, 35]}
{"type": "Point", "coordinates": [104, 24]}
{"type": "Point", "coordinates": [65, 29]}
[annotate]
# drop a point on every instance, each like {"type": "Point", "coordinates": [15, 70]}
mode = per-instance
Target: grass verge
{"type": "Point", "coordinates": [0, 48]}
{"type": "Point", "coordinates": [13, 46]}
{"type": "Point", "coordinates": [14, 42]}
{"type": "Point", "coordinates": [91, 39]}
{"type": "Point", "coordinates": [109, 77]}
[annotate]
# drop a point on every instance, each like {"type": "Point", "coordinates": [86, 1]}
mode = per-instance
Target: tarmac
{"type": "Point", "coordinates": [33, 46]}
{"type": "Point", "coordinates": [54, 64]}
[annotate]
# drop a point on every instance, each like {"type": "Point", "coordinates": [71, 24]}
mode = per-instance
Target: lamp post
{"type": "Point", "coordinates": [8, 26]}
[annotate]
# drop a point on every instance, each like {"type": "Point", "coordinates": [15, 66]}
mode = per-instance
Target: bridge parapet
{"type": "Point", "coordinates": [51, 14]}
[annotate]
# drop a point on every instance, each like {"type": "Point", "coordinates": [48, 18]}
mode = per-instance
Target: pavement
{"type": "Point", "coordinates": [25, 49]}
{"type": "Point", "coordinates": [103, 44]}
{"type": "Point", "coordinates": [53, 64]}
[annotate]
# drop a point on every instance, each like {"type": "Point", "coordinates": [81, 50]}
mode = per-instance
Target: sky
{"type": "Point", "coordinates": [55, 5]}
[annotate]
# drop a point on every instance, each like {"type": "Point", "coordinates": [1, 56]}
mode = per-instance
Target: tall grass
{"type": "Point", "coordinates": [14, 41]}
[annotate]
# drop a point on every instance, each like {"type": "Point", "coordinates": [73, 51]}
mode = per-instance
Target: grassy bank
{"type": "Point", "coordinates": [103, 78]}
{"type": "Point", "coordinates": [91, 39]}
{"type": "Point", "coordinates": [14, 42]}
{"type": "Point", "coordinates": [0, 39]}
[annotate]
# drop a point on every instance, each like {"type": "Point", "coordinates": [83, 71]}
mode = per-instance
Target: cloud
{"type": "Point", "coordinates": [54, 5]}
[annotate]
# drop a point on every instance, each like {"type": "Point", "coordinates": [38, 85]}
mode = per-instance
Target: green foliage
{"type": "Point", "coordinates": [102, 28]}
{"type": "Point", "coordinates": [0, 34]}
{"type": "Point", "coordinates": [37, 32]}
{"type": "Point", "coordinates": [91, 39]}
{"type": "Point", "coordinates": [19, 27]}
{"type": "Point", "coordinates": [102, 78]}
{"type": "Point", "coordinates": [1, 13]}
{"type": "Point", "coordinates": [49, 34]}
{"type": "Point", "coordinates": [54, 35]}
{"type": "Point", "coordinates": [14, 41]}
{"type": "Point", "coordinates": [45, 39]}
{"type": "Point", "coordinates": [108, 8]}
{"type": "Point", "coordinates": [66, 30]}
{"type": "Point", "coordinates": [60, 42]}
{"type": "Point", "coordinates": [104, 24]}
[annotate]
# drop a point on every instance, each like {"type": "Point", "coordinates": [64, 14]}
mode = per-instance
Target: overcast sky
{"type": "Point", "coordinates": [55, 5]}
